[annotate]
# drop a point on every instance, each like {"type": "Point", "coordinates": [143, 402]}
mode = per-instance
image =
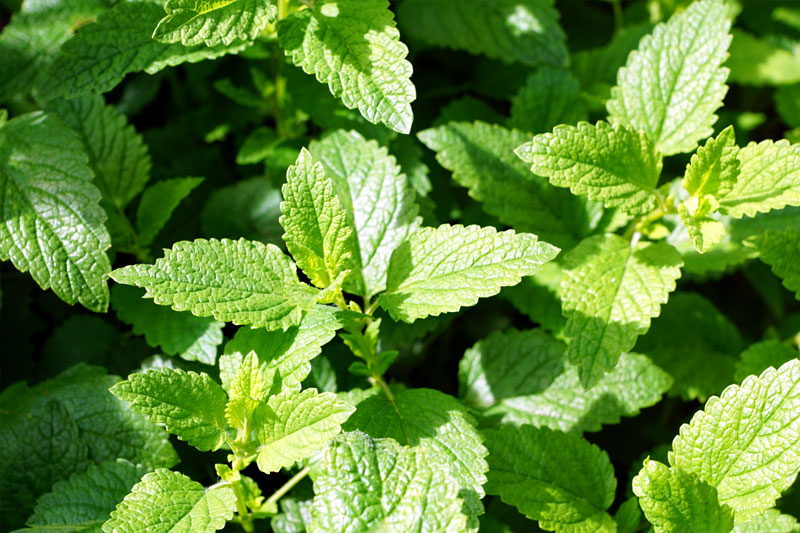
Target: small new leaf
{"type": "Point", "coordinates": [170, 501]}
{"type": "Point", "coordinates": [440, 270]}
{"type": "Point", "coordinates": [218, 22]}
{"type": "Point", "coordinates": [714, 168]}
{"type": "Point", "coordinates": [616, 165]}
{"type": "Point", "coordinates": [190, 405]}
{"type": "Point", "coordinates": [244, 282]}
{"type": "Point", "coordinates": [673, 84]}
{"type": "Point", "coordinates": [317, 232]}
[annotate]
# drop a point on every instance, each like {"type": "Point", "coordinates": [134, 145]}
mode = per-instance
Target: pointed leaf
{"type": "Point", "coordinates": [714, 168]}
{"type": "Point", "coordinates": [616, 165]}
{"type": "Point", "coordinates": [781, 251]}
{"type": "Point", "coordinates": [190, 405]}
{"type": "Point", "coordinates": [550, 97]}
{"type": "Point", "coordinates": [157, 204]}
{"type": "Point", "coordinates": [560, 480]}
{"type": "Point", "coordinates": [354, 47]}
{"type": "Point", "coordinates": [170, 501]}
{"type": "Point", "coordinates": [317, 233]}
{"type": "Point", "coordinates": [193, 22]}
{"type": "Point", "coordinates": [440, 270]}
{"type": "Point", "coordinates": [673, 84]}
{"type": "Point", "coordinates": [367, 484]}
{"type": "Point", "coordinates": [52, 221]}
{"type": "Point", "coordinates": [243, 282]}
{"type": "Point", "coordinates": [610, 291]}
{"type": "Point", "coordinates": [762, 355]}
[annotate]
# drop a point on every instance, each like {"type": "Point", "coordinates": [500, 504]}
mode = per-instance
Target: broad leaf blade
{"type": "Point", "coordinates": [170, 501]}
{"type": "Point", "coordinates": [616, 165]}
{"type": "Point", "coordinates": [366, 484]}
{"type": "Point", "coordinates": [52, 220]}
{"type": "Point", "coordinates": [550, 97]}
{"type": "Point", "coordinates": [440, 270]}
{"type": "Point", "coordinates": [560, 480]}
{"type": "Point", "coordinates": [193, 22]}
{"type": "Point", "coordinates": [317, 232]}
{"type": "Point", "coordinates": [243, 282]}
{"type": "Point", "coordinates": [190, 405]}
{"type": "Point", "coordinates": [673, 84]}
{"type": "Point", "coordinates": [157, 204]}
{"type": "Point", "coordinates": [610, 291]}
{"type": "Point", "coordinates": [354, 47]}
{"type": "Point", "coordinates": [781, 251]}
{"type": "Point", "coordinates": [714, 168]}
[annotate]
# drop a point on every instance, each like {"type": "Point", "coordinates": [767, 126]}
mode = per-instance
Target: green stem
{"type": "Point", "coordinates": [619, 18]}
{"type": "Point", "coordinates": [278, 494]}
{"type": "Point", "coordinates": [244, 515]}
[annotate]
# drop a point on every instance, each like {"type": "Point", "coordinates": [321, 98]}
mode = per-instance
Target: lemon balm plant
{"type": "Point", "coordinates": [347, 327]}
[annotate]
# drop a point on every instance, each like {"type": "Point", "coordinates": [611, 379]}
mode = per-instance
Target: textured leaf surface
{"type": "Point", "coordinates": [560, 480]}
{"type": "Point", "coordinates": [616, 165]}
{"type": "Point", "coordinates": [170, 501]}
{"type": "Point", "coordinates": [769, 178]}
{"type": "Point", "coordinates": [190, 405]}
{"type": "Point", "coordinates": [436, 421]}
{"type": "Point", "coordinates": [673, 84]}
{"type": "Point", "coordinates": [84, 502]}
{"type": "Point", "coordinates": [157, 204]}
{"type": "Point", "coordinates": [714, 168]}
{"type": "Point", "coordinates": [674, 500]}
{"type": "Point", "coordinates": [523, 375]}
{"type": "Point", "coordinates": [243, 282]}
{"type": "Point", "coordinates": [746, 443]}
{"type": "Point", "coordinates": [317, 233]}
{"type": "Point", "coordinates": [440, 270]}
{"type": "Point", "coordinates": [762, 355]}
{"type": "Point", "coordinates": [219, 22]}
{"type": "Point", "coordinates": [193, 338]}
{"type": "Point", "coordinates": [117, 154]}
{"type": "Point", "coordinates": [702, 357]}
{"type": "Point", "coordinates": [117, 43]}
{"type": "Point", "coordinates": [549, 97]}
{"type": "Point", "coordinates": [284, 354]}
{"type": "Point", "coordinates": [354, 47]}
{"type": "Point", "coordinates": [481, 158]}
{"type": "Point", "coordinates": [373, 190]}
{"type": "Point", "coordinates": [52, 221]}
{"type": "Point", "coordinates": [610, 291]}
{"type": "Point", "coordinates": [772, 521]}
{"type": "Point", "coordinates": [525, 31]}
{"type": "Point", "coordinates": [365, 485]}
{"type": "Point", "coordinates": [295, 426]}
{"type": "Point", "coordinates": [295, 516]}
{"type": "Point", "coordinates": [781, 251]}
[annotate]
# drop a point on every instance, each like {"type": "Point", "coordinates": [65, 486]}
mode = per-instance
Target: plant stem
{"type": "Point", "coordinates": [278, 494]}
{"type": "Point", "coordinates": [619, 19]}
{"type": "Point", "coordinates": [241, 507]}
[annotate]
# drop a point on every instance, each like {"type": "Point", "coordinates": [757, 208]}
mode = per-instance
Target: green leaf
{"type": "Point", "coordinates": [438, 422]}
{"type": "Point", "coordinates": [481, 158]}
{"type": "Point", "coordinates": [285, 354]}
{"type": "Point", "coordinates": [157, 204]}
{"type": "Point", "coordinates": [674, 500]}
{"type": "Point", "coordinates": [249, 208]}
{"type": "Point", "coordinates": [192, 338]}
{"type": "Point", "coordinates": [787, 103]}
{"type": "Point", "coordinates": [243, 282]}
{"type": "Point", "coordinates": [628, 516]}
{"type": "Point", "coordinates": [673, 84]}
{"type": "Point", "coordinates": [524, 31]}
{"type": "Point", "coordinates": [610, 291]}
{"type": "Point", "coordinates": [440, 270]}
{"type": "Point", "coordinates": [704, 230]}
{"type": "Point", "coordinates": [761, 62]}
{"type": "Point", "coordinates": [714, 168]}
{"type": "Point", "coordinates": [193, 22]}
{"type": "Point", "coordinates": [295, 426]}
{"type": "Point", "coordinates": [354, 47]}
{"type": "Point", "coordinates": [367, 485]}
{"type": "Point", "coordinates": [781, 251]}
{"type": "Point", "coordinates": [762, 355]}
{"type": "Point", "coordinates": [117, 154]}
{"type": "Point", "coordinates": [190, 405]}
{"type": "Point", "coordinates": [84, 502]}
{"type": "Point", "coordinates": [52, 221]}
{"type": "Point", "coordinates": [772, 520]}
{"type": "Point", "coordinates": [539, 297]}
{"type": "Point", "coordinates": [560, 480]}
{"type": "Point", "coordinates": [769, 178]}
{"type": "Point", "coordinates": [616, 165]}
{"type": "Point", "coordinates": [700, 359]}
{"type": "Point", "coordinates": [380, 202]}
{"type": "Point", "coordinates": [317, 232]}
{"type": "Point", "coordinates": [170, 501]}
{"type": "Point", "coordinates": [120, 41]}
{"type": "Point", "coordinates": [746, 443]}
{"type": "Point", "coordinates": [549, 97]}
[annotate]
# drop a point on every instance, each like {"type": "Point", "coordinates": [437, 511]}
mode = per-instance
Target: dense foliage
{"type": "Point", "coordinates": [427, 265]}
